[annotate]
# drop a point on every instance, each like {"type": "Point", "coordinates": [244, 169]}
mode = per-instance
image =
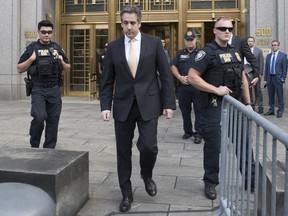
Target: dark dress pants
{"type": "Point", "coordinates": [187, 95]}
{"type": "Point", "coordinates": [258, 95]}
{"type": "Point", "coordinates": [46, 107]}
{"type": "Point", "coordinates": [275, 85]}
{"type": "Point", "coordinates": [146, 144]}
{"type": "Point", "coordinates": [243, 149]}
{"type": "Point", "coordinates": [212, 138]}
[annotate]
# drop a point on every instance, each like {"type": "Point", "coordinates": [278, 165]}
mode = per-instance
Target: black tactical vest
{"type": "Point", "coordinates": [46, 67]}
{"type": "Point", "coordinates": [227, 69]}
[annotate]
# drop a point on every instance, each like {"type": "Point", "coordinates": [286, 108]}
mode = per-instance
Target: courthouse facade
{"type": "Point", "coordinates": [82, 27]}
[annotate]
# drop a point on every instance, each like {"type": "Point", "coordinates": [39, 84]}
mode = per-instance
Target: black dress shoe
{"type": "Point", "coordinates": [210, 191]}
{"type": "Point", "coordinates": [279, 115]}
{"type": "Point", "coordinates": [150, 186]}
{"type": "Point", "coordinates": [197, 140]}
{"type": "Point", "coordinates": [269, 113]}
{"type": "Point", "coordinates": [186, 136]}
{"type": "Point", "coordinates": [260, 111]}
{"type": "Point", "coordinates": [125, 204]}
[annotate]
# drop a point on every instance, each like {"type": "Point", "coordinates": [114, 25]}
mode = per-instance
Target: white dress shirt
{"type": "Point", "coordinates": [137, 43]}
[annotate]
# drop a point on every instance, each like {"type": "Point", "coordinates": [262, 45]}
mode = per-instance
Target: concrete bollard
{"type": "Point", "coordinates": [20, 199]}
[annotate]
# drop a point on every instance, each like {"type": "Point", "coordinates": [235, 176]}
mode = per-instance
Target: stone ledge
{"type": "Point", "coordinates": [64, 175]}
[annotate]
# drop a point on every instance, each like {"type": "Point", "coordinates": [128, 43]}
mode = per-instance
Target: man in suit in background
{"type": "Point", "coordinates": [252, 77]}
{"type": "Point", "coordinates": [101, 62]}
{"type": "Point", "coordinates": [241, 45]}
{"type": "Point", "coordinates": [167, 54]}
{"type": "Point", "coordinates": [260, 59]}
{"type": "Point", "coordinates": [275, 75]}
{"type": "Point", "coordinates": [130, 72]}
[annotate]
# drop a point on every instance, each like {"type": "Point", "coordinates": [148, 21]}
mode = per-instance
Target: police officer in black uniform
{"type": "Point", "coordinates": [187, 94]}
{"type": "Point", "coordinates": [101, 63]}
{"type": "Point", "coordinates": [217, 71]}
{"type": "Point", "coordinates": [44, 61]}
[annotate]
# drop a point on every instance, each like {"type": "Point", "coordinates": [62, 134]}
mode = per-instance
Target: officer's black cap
{"type": "Point", "coordinates": [189, 35]}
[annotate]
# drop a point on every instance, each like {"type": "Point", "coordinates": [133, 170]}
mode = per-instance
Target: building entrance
{"type": "Point", "coordinates": [85, 44]}
{"type": "Point", "coordinates": [166, 31]}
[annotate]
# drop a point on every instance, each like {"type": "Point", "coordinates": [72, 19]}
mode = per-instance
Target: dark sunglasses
{"type": "Point", "coordinates": [274, 45]}
{"type": "Point", "coordinates": [224, 29]}
{"type": "Point", "coordinates": [46, 32]}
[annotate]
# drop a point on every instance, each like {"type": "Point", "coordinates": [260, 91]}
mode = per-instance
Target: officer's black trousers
{"type": "Point", "coordinates": [46, 108]}
{"type": "Point", "coordinates": [212, 138]}
{"type": "Point", "coordinates": [186, 96]}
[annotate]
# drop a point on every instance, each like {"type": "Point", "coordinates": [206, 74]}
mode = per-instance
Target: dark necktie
{"type": "Point", "coordinates": [272, 65]}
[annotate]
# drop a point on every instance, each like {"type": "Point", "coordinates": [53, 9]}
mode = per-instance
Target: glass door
{"type": "Point", "coordinates": [101, 38]}
{"type": "Point", "coordinates": [79, 41]}
{"type": "Point", "coordinates": [84, 45]}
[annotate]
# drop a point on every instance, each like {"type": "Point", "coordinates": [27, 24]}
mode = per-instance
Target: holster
{"type": "Point", "coordinates": [28, 84]}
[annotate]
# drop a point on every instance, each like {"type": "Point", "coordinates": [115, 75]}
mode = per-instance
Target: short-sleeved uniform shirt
{"type": "Point", "coordinates": [207, 61]}
{"type": "Point", "coordinates": [53, 48]}
{"type": "Point", "coordinates": [183, 61]}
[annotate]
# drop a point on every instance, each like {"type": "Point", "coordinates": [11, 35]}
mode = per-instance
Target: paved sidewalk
{"type": "Point", "coordinates": [178, 171]}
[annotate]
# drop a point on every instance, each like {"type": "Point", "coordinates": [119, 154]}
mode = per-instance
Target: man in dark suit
{"type": "Point", "coordinates": [166, 51]}
{"type": "Point", "coordinates": [241, 45]}
{"type": "Point", "coordinates": [260, 59]}
{"type": "Point", "coordinates": [275, 75]}
{"type": "Point", "coordinates": [253, 77]}
{"type": "Point", "coordinates": [130, 80]}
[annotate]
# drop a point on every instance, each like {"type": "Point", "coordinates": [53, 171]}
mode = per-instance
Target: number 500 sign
{"type": "Point", "coordinates": [263, 32]}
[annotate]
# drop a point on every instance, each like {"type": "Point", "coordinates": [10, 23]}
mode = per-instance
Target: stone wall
{"type": "Point", "coordinates": [266, 23]}
{"type": "Point", "coordinates": [19, 28]}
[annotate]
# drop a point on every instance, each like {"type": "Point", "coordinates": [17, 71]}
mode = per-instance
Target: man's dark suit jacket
{"type": "Point", "coordinates": [144, 88]}
{"type": "Point", "coordinates": [260, 59]}
{"type": "Point", "coordinates": [280, 67]}
{"type": "Point", "coordinates": [241, 45]}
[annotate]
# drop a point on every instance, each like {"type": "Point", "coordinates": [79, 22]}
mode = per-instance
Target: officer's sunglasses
{"type": "Point", "coordinates": [44, 32]}
{"type": "Point", "coordinates": [224, 29]}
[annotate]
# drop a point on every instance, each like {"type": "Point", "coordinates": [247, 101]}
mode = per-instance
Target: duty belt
{"type": "Point", "coordinates": [45, 84]}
